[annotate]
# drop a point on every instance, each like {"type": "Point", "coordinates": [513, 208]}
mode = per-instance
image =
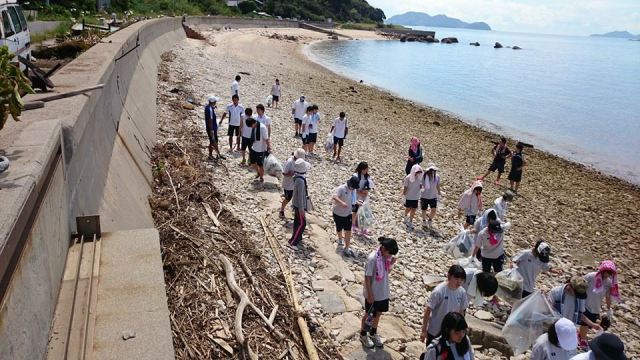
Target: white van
{"type": "Point", "coordinates": [14, 31]}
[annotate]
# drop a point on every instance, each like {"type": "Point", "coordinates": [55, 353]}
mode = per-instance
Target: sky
{"type": "Point", "coordinates": [564, 17]}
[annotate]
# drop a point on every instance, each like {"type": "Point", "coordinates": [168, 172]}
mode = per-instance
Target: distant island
{"type": "Point", "coordinates": [618, 34]}
{"type": "Point", "coordinates": [421, 19]}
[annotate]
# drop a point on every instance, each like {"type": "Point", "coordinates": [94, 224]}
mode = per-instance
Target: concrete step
{"type": "Point", "coordinates": [129, 317]}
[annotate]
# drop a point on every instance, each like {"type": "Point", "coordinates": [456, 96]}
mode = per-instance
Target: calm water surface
{"type": "Point", "coordinates": [577, 97]}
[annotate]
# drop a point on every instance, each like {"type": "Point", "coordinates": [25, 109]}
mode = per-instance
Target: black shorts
{"type": "Point", "coordinates": [515, 176]}
{"type": "Point", "coordinates": [497, 264]}
{"type": "Point", "coordinates": [411, 204]}
{"type": "Point", "coordinates": [354, 208]}
{"type": "Point", "coordinates": [246, 143]}
{"type": "Point", "coordinates": [288, 194]}
{"type": "Point", "coordinates": [276, 97]}
{"type": "Point", "coordinates": [470, 219]}
{"type": "Point", "coordinates": [338, 141]}
{"type": "Point", "coordinates": [497, 165]}
{"type": "Point", "coordinates": [342, 222]}
{"type": "Point", "coordinates": [380, 306]}
{"type": "Point", "coordinates": [305, 139]}
{"type": "Point", "coordinates": [233, 130]}
{"type": "Point", "coordinates": [297, 121]}
{"type": "Point", "coordinates": [312, 138]}
{"type": "Point", "coordinates": [591, 316]}
{"type": "Point", "coordinates": [432, 203]}
{"type": "Point", "coordinates": [213, 136]}
{"type": "Point", "coordinates": [525, 293]}
{"type": "Point", "coordinates": [256, 157]}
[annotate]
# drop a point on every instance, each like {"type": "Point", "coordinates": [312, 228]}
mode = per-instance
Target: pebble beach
{"type": "Point", "coordinates": [585, 216]}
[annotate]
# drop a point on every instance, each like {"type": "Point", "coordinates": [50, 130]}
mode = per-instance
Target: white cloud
{"type": "Point", "coordinates": [577, 17]}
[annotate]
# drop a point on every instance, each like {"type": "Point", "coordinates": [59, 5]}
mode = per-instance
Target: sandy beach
{"type": "Point", "coordinates": [585, 216]}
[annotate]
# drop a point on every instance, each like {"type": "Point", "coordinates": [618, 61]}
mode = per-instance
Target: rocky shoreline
{"type": "Point", "coordinates": [585, 216]}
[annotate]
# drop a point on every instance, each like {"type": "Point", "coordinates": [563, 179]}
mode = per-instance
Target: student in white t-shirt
{"type": "Point", "coordinates": [235, 86]}
{"type": "Point", "coordinates": [245, 131]}
{"type": "Point", "coordinates": [340, 129]}
{"type": "Point", "coordinates": [312, 129]}
{"type": "Point", "coordinates": [342, 205]}
{"type": "Point", "coordinates": [430, 194]}
{"type": "Point", "coordinates": [276, 92]}
{"type": "Point", "coordinates": [263, 118]}
{"type": "Point", "coordinates": [235, 110]}
{"type": "Point", "coordinates": [411, 192]}
{"type": "Point", "coordinates": [298, 110]}
{"type": "Point", "coordinates": [304, 128]}
{"type": "Point", "coordinates": [558, 343]}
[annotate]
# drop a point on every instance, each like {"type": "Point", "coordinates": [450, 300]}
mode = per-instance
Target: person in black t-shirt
{"type": "Point", "coordinates": [517, 163]}
{"type": "Point", "coordinates": [500, 155]}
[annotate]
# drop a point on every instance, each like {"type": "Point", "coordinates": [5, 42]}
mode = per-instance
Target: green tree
{"type": "Point", "coordinates": [12, 82]}
{"type": "Point", "coordinates": [247, 6]}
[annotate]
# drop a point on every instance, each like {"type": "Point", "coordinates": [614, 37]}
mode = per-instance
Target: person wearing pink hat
{"type": "Point", "coordinates": [559, 343]}
{"type": "Point", "coordinates": [601, 285]}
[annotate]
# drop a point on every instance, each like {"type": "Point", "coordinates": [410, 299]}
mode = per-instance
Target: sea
{"type": "Point", "coordinates": [576, 97]}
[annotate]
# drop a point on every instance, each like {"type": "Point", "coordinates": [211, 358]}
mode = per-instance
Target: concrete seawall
{"type": "Point", "coordinates": [85, 155]}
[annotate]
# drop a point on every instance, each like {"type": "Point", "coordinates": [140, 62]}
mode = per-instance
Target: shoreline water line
{"type": "Point", "coordinates": [564, 150]}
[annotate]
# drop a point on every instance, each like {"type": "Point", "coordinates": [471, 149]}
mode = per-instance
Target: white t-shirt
{"type": "Point", "coordinates": [545, 350]}
{"type": "Point", "coordinates": [264, 119]}
{"type": "Point", "coordinates": [585, 356]}
{"type": "Point", "coordinates": [306, 119]}
{"type": "Point", "coordinates": [261, 145]}
{"type": "Point", "coordinates": [483, 241]}
{"type": "Point", "coordinates": [380, 289]}
{"type": "Point", "coordinates": [471, 286]}
{"type": "Point", "coordinates": [529, 267]}
{"type": "Point", "coordinates": [363, 182]}
{"type": "Point", "coordinates": [235, 88]}
{"type": "Point", "coordinates": [275, 90]}
{"type": "Point", "coordinates": [501, 207]}
{"type": "Point", "coordinates": [593, 303]}
{"type": "Point", "coordinates": [246, 130]}
{"type": "Point", "coordinates": [568, 310]}
{"type": "Point", "coordinates": [444, 300]}
{"type": "Point", "coordinates": [413, 188]}
{"type": "Point", "coordinates": [430, 188]}
{"type": "Point", "coordinates": [300, 108]}
{"type": "Point", "coordinates": [345, 194]}
{"type": "Point", "coordinates": [235, 114]}
{"type": "Point", "coordinates": [287, 181]}
{"type": "Point", "coordinates": [339, 127]}
{"type": "Point", "coordinates": [313, 123]}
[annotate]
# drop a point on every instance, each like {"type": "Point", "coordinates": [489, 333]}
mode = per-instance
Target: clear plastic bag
{"type": "Point", "coordinates": [470, 262]}
{"type": "Point", "coordinates": [365, 216]}
{"type": "Point", "coordinates": [272, 166]}
{"type": "Point", "coordinates": [510, 284]}
{"type": "Point", "coordinates": [328, 144]}
{"type": "Point", "coordinates": [461, 245]}
{"type": "Point", "coordinates": [530, 318]}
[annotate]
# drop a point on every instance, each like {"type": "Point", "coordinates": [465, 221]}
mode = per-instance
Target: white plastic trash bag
{"type": "Point", "coordinates": [272, 166]}
{"type": "Point", "coordinates": [365, 217]}
{"type": "Point", "coordinates": [461, 245]}
{"type": "Point", "coordinates": [510, 284]}
{"type": "Point", "coordinates": [470, 262]}
{"type": "Point", "coordinates": [328, 144]}
{"type": "Point", "coordinates": [530, 318]}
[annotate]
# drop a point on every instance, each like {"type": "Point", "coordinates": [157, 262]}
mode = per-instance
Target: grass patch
{"type": "Point", "coordinates": [62, 29]}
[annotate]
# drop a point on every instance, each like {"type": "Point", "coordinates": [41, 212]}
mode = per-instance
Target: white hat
{"type": "Point", "coordinates": [212, 99]}
{"type": "Point", "coordinates": [301, 166]}
{"type": "Point", "coordinates": [567, 335]}
{"type": "Point", "coordinates": [299, 153]}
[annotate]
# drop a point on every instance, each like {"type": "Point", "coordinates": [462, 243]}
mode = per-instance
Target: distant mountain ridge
{"type": "Point", "coordinates": [618, 34]}
{"type": "Point", "coordinates": [413, 18]}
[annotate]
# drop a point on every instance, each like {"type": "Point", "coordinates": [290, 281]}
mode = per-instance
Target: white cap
{"type": "Point", "coordinates": [567, 334]}
{"type": "Point", "coordinates": [299, 153]}
{"type": "Point", "coordinates": [212, 99]}
{"type": "Point", "coordinates": [301, 166]}
{"type": "Point", "coordinates": [542, 247]}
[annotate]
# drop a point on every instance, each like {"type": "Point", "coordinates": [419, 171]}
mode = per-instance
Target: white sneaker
{"type": "Point", "coordinates": [366, 341]}
{"type": "Point", "coordinates": [429, 223]}
{"type": "Point", "coordinates": [377, 341]}
{"type": "Point", "coordinates": [340, 242]}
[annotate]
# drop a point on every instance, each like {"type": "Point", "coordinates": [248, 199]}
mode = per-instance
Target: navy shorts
{"type": "Point", "coordinates": [411, 204]}
{"type": "Point", "coordinates": [470, 219]}
{"type": "Point", "coordinates": [288, 194]}
{"type": "Point", "coordinates": [342, 222]}
{"type": "Point", "coordinates": [379, 306]}
{"type": "Point", "coordinates": [276, 98]}
{"type": "Point", "coordinates": [591, 316]}
{"type": "Point", "coordinates": [432, 203]}
{"type": "Point", "coordinates": [246, 143]}
{"type": "Point", "coordinates": [256, 157]}
{"type": "Point", "coordinates": [233, 130]}
{"type": "Point", "coordinates": [338, 141]}
{"type": "Point", "coordinates": [497, 264]}
{"type": "Point", "coordinates": [497, 165]}
{"type": "Point", "coordinates": [297, 121]}
{"type": "Point", "coordinates": [312, 138]}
